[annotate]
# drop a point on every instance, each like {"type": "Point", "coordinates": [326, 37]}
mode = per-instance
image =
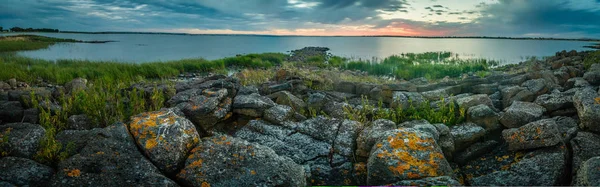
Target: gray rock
{"type": "Point", "coordinates": [466, 134]}
{"type": "Point", "coordinates": [430, 181]}
{"type": "Point", "coordinates": [576, 82]}
{"type": "Point", "coordinates": [205, 108]}
{"type": "Point", "coordinates": [31, 115]}
{"type": "Point", "coordinates": [11, 111]}
{"type": "Point", "coordinates": [165, 137]}
{"type": "Point", "coordinates": [12, 82]}
{"type": "Point", "coordinates": [406, 154]}
{"type": "Point", "coordinates": [521, 113]}
{"type": "Point", "coordinates": [346, 87]}
{"type": "Point", "coordinates": [589, 174]}
{"type": "Point", "coordinates": [226, 161]}
{"type": "Point", "coordinates": [555, 101]}
{"type": "Point", "coordinates": [76, 84]}
{"type": "Point", "coordinates": [542, 133]}
{"type": "Point", "coordinates": [279, 114]}
{"type": "Point", "coordinates": [593, 74]}
{"type": "Point", "coordinates": [585, 146]}
{"type": "Point", "coordinates": [544, 167]}
{"type": "Point", "coordinates": [474, 151]}
{"type": "Point", "coordinates": [371, 134]}
{"type": "Point", "coordinates": [79, 122]}
{"type": "Point", "coordinates": [110, 158]}
{"type": "Point", "coordinates": [441, 93]}
{"type": "Point", "coordinates": [251, 105]}
{"type": "Point", "coordinates": [23, 138]}
{"type": "Point", "coordinates": [474, 100]}
{"type": "Point", "coordinates": [485, 88]}
{"type": "Point", "coordinates": [73, 141]}
{"type": "Point", "coordinates": [515, 93]}
{"type": "Point", "coordinates": [405, 99]}
{"type": "Point", "coordinates": [588, 109]}
{"type": "Point", "coordinates": [247, 90]}
{"type": "Point", "coordinates": [537, 86]}
{"type": "Point", "coordinates": [4, 86]}
{"type": "Point", "coordinates": [336, 109]}
{"type": "Point", "coordinates": [24, 172]}
{"type": "Point", "coordinates": [287, 98]}
{"type": "Point", "coordinates": [316, 100]}
{"type": "Point", "coordinates": [484, 116]}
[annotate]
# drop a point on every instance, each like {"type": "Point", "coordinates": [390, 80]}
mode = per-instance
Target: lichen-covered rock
{"type": "Point", "coordinates": [593, 74]}
{"type": "Point", "coordinates": [110, 158]}
{"type": "Point", "coordinates": [371, 134]}
{"type": "Point", "coordinates": [484, 116]}
{"type": "Point", "coordinates": [406, 154]}
{"type": "Point", "coordinates": [247, 90]}
{"type": "Point", "coordinates": [316, 100]}
{"type": "Point", "coordinates": [589, 173]}
{"type": "Point", "coordinates": [587, 102]}
{"type": "Point", "coordinates": [23, 138]}
{"type": "Point", "coordinates": [515, 93]}
{"type": "Point", "coordinates": [430, 181]}
{"type": "Point", "coordinates": [204, 108]}
{"type": "Point", "coordinates": [279, 114]}
{"type": "Point", "coordinates": [289, 99]}
{"type": "Point", "coordinates": [252, 105]}
{"type": "Point", "coordinates": [521, 113]}
{"type": "Point", "coordinates": [24, 172]}
{"type": "Point", "coordinates": [336, 109]}
{"type": "Point", "coordinates": [542, 133]}
{"type": "Point", "coordinates": [555, 100]}
{"type": "Point", "coordinates": [474, 151]}
{"type": "Point", "coordinates": [543, 167]}
{"type": "Point", "coordinates": [446, 140]}
{"type": "Point", "coordinates": [405, 99]}
{"type": "Point", "coordinates": [474, 100]}
{"type": "Point", "coordinates": [576, 82]}
{"type": "Point", "coordinates": [537, 86]}
{"type": "Point", "coordinates": [466, 134]}
{"type": "Point", "coordinates": [585, 146]}
{"type": "Point", "coordinates": [165, 137]}
{"type": "Point", "coordinates": [226, 161]}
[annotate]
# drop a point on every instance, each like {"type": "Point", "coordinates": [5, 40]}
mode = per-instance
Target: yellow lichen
{"type": "Point", "coordinates": [151, 143]}
{"type": "Point", "coordinates": [205, 184]}
{"type": "Point", "coordinates": [73, 173]}
{"type": "Point", "coordinates": [402, 144]}
{"type": "Point", "coordinates": [597, 99]}
{"type": "Point", "coordinates": [252, 172]}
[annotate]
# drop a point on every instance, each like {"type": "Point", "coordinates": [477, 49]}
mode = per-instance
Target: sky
{"type": "Point", "coordinates": [511, 18]}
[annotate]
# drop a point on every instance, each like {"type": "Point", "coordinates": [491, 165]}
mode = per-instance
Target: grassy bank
{"type": "Point", "coordinates": [28, 42]}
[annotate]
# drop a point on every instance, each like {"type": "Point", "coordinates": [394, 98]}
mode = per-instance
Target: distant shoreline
{"type": "Point", "coordinates": [391, 36]}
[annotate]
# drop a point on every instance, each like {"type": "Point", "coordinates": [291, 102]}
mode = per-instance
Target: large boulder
{"type": "Point", "coordinates": [279, 114]}
{"type": "Point", "coordinates": [576, 82]}
{"type": "Point", "coordinates": [485, 88]}
{"type": "Point", "coordinates": [24, 172]}
{"type": "Point", "coordinates": [589, 174]}
{"type": "Point", "coordinates": [110, 158]}
{"type": "Point", "coordinates": [371, 134]}
{"type": "Point", "coordinates": [484, 116]}
{"type": "Point", "coordinates": [325, 146]}
{"type": "Point", "coordinates": [537, 86]}
{"type": "Point", "coordinates": [289, 99]}
{"type": "Point", "coordinates": [466, 134]}
{"type": "Point", "coordinates": [23, 138]}
{"type": "Point", "coordinates": [542, 133]}
{"type": "Point", "coordinates": [226, 161]}
{"type": "Point", "coordinates": [252, 105]}
{"type": "Point", "coordinates": [556, 100]}
{"type": "Point", "coordinates": [521, 113]}
{"type": "Point", "coordinates": [406, 154]}
{"type": "Point", "coordinates": [10, 111]}
{"type": "Point", "coordinates": [515, 93]}
{"type": "Point", "coordinates": [165, 137]}
{"type": "Point", "coordinates": [585, 146]}
{"type": "Point", "coordinates": [593, 74]}
{"type": "Point", "coordinates": [587, 102]}
{"type": "Point", "coordinates": [474, 100]}
{"type": "Point", "coordinates": [205, 108]}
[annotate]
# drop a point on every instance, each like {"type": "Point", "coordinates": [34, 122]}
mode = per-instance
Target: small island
{"type": "Point", "coordinates": [302, 118]}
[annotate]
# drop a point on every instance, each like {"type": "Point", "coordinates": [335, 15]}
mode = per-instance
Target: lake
{"type": "Point", "coordinates": [141, 48]}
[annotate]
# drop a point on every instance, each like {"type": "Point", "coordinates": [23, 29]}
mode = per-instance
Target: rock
{"type": "Point", "coordinates": [587, 102]}
{"type": "Point", "coordinates": [440, 93]}
{"type": "Point", "coordinates": [485, 88]}
{"type": "Point", "coordinates": [406, 154]}
{"type": "Point", "coordinates": [316, 100]}
{"type": "Point", "coordinates": [226, 161]}
{"type": "Point", "coordinates": [474, 151]}
{"type": "Point", "coordinates": [516, 93]}
{"type": "Point", "coordinates": [483, 116]}
{"type": "Point", "coordinates": [543, 167]}
{"type": "Point", "coordinates": [371, 135]}
{"type": "Point", "coordinates": [76, 85]}
{"type": "Point", "coordinates": [205, 108]}
{"type": "Point", "coordinates": [110, 158]}
{"type": "Point", "coordinates": [11, 111]}
{"type": "Point", "coordinates": [165, 137]}
{"type": "Point", "coordinates": [521, 113]}
{"type": "Point", "coordinates": [405, 99]}
{"type": "Point", "coordinates": [74, 141]}
{"type": "Point", "coordinates": [364, 88]}
{"type": "Point", "coordinates": [23, 138]}
{"type": "Point", "coordinates": [585, 145]}
{"type": "Point", "coordinates": [79, 122]}
{"type": "Point", "coordinates": [542, 133]}
{"type": "Point", "coordinates": [446, 140]}
{"type": "Point", "coordinates": [555, 101]}
{"type": "Point", "coordinates": [430, 181]}
{"type": "Point", "coordinates": [537, 86]}
{"type": "Point", "coordinates": [12, 82]}
{"type": "Point", "coordinates": [252, 105]}
{"type": "Point", "coordinates": [4, 86]}
{"type": "Point", "coordinates": [247, 90]}
{"type": "Point", "coordinates": [346, 87]}
{"type": "Point", "coordinates": [31, 115]}
{"type": "Point", "coordinates": [336, 109]}
{"type": "Point", "coordinates": [466, 134]}
{"type": "Point", "coordinates": [589, 174]}
{"type": "Point", "coordinates": [24, 172]}
{"type": "Point", "coordinates": [593, 74]}
{"type": "Point", "coordinates": [419, 81]}
{"type": "Point", "coordinates": [474, 100]}
{"type": "Point", "coordinates": [279, 114]}
{"type": "Point", "coordinates": [287, 98]}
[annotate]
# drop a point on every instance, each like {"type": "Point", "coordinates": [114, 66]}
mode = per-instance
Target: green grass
{"type": "Point", "coordinates": [28, 42]}
{"type": "Point", "coordinates": [592, 58]}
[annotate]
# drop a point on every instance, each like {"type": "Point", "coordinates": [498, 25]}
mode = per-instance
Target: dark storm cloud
{"type": "Point", "coordinates": [506, 17]}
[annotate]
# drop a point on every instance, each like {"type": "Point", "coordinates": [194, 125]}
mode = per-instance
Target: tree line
{"type": "Point", "coordinates": [19, 29]}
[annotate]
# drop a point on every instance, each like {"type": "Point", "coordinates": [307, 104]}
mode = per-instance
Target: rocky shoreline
{"type": "Point", "coordinates": [532, 124]}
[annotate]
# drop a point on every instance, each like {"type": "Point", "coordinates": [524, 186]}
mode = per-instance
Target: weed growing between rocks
{"type": "Point", "coordinates": [4, 146]}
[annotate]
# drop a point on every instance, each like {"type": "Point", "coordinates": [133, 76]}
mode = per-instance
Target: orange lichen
{"type": "Point", "coordinates": [252, 172]}
{"type": "Point", "coordinates": [197, 163]}
{"type": "Point", "coordinates": [403, 145]}
{"type": "Point", "coordinates": [73, 173]}
{"type": "Point", "coordinates": [597, 99]}
{"type": "Point", "coordinates": [151, 143]}
{"type": "Point", "coordinates": [205, 184]}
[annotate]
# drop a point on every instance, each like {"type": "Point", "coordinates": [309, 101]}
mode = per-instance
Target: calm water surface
{"type": "Point", "coordinates": [157, 47]}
